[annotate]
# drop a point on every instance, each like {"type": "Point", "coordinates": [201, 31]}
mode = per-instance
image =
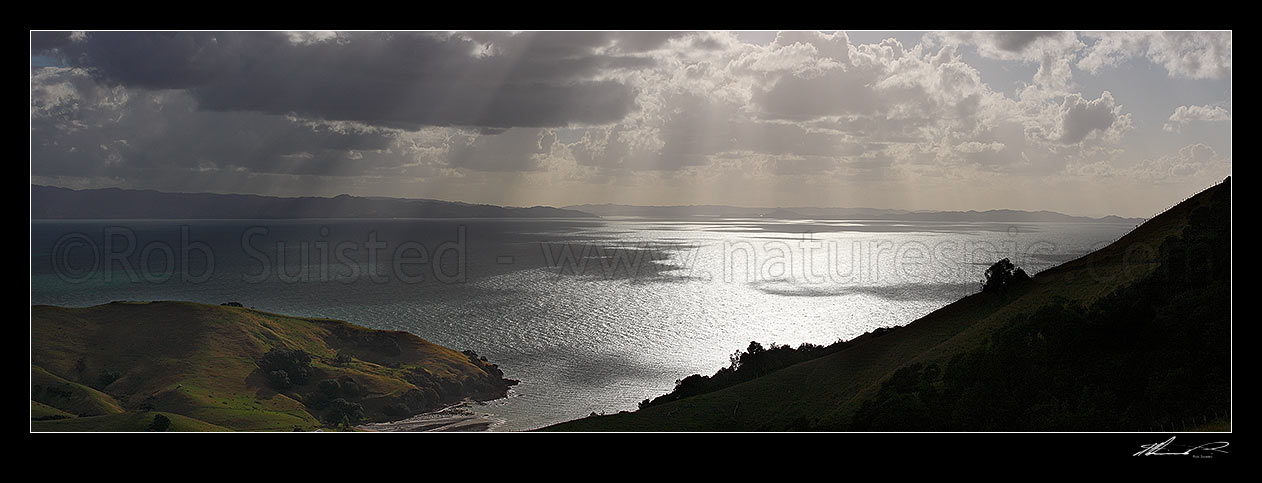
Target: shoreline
{"type": "Point", "coordinates": [458, 417]}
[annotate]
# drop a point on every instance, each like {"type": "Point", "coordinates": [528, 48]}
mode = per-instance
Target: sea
{"type": "Point", "coordinates": [591, 315]}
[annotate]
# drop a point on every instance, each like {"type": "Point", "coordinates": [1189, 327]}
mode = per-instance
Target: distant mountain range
{"type": "Point", "coordinates": [49, 202]}
{"type": "Point", "coordinates": [721, 211]}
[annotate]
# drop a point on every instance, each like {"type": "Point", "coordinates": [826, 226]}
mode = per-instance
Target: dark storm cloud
{"type": "Point", "coordinates": [44, 41]}
{"type": "Point", "coordinates": [1018, 41]}
{"type": "Point", "coordinates": [81, 128]}
{"type": "Point", "coordinates": [392, 79]}
{"type": "Point", "coordinates": [162, 60]}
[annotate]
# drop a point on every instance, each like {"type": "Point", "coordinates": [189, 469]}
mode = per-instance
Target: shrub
{"type": "Point", "coordinates": [349, 388]}
{"type": "Point", "coordinates": [329, 387]}
{"type": "Point", "coordinates": [344, 412]}
{"type": "Point", "coordinates": [397, 410]}
{"type": "Point", "coordinates": [754, 361]}
{"type": "Point", "coordinates": [160, 423]}
{"type": "Point", "coordinates": [279, 379]}
{"type": "Point", "coordinates": [295, 363]}
{"type": "Point", "coordinates": [1002, 275]}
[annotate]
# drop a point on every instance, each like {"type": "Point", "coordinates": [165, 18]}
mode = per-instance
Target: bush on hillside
{"type": "Point", "coordinates": [160, 423]}
{"type": "Point", "coordinates": [296, 365]}
{"type": "Point", "coordinates": [1002, 275]}
{"type": "Point", "coordinates": [343, 412]}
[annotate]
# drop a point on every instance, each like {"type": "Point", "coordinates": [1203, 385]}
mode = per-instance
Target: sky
{"type": "Point", "coordinates": [1084, 123]}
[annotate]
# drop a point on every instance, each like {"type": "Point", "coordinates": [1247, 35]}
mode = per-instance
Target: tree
{"type": "Point", "coordinates": [1002, 275]}
{"type": "Point", "coordinates": [160, 423]}
{"type": "Point", "coordinates": [344, 413]}
{"type": "Point", "coordinates": [279, 379]}
{"type": "Point", "coordinates": [343, 358]}
{"type": "Point", "coordinates": [296, 365]}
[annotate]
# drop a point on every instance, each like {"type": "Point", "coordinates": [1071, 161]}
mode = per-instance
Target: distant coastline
{"type": "Point", "coordinates": [813, 213]}
{"type": "Point", "coordinates": [53, 203]}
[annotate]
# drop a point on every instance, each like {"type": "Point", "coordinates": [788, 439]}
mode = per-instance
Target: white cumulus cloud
{"type": "Point", "coordinates": [1196, 55]}
{"type": "Point", "coordinates": [1187, 114]}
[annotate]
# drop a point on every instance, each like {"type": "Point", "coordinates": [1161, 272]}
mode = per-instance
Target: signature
{"type": "Point", "coordinates": [1157, 449]}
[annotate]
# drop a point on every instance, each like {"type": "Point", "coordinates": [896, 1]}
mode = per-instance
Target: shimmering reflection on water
{"type": "Point", "coordinates": [656, 300]}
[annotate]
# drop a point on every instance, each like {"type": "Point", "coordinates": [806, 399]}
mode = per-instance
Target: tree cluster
{"type": "Point", "coordinates": [1001, 276]}
{"type": "Point", "coordinates": [286, 368]}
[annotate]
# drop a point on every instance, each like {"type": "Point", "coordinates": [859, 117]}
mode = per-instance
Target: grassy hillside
{"type": "Point", "coordinates": [131, 421]}
{"type": "Point", "coordinates": [827, 392]}
{"type": "Point", "coordinates": [213, 367]}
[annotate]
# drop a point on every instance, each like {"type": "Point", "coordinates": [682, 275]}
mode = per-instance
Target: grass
{"type": "Point", "coordinates": [41, 411]}
{"type": "Point", "coordinates": [1214, 426]}
{"type": "Point", "coordinates": [200, 362]}
{"type": "Point", "coordinates": [70, 397]}
{"type": "Point", "coordinates": [130, 422]}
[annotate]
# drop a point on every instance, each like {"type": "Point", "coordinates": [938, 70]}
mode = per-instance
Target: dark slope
{"type": "Point", "coordinates": [826, 393]}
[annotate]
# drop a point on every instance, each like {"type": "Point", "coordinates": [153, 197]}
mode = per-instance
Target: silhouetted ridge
{"type": "Point", "coordinates": [1132, 337]}
{"type": "Point", "coordinates": [1151, 355]}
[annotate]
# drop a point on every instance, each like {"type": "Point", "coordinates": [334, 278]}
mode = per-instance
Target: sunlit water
{"type": "Point", "coordinates": [590, 315]}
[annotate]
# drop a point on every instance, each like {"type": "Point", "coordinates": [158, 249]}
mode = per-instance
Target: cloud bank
{"type": "Point", "coordinates": [572, 117]}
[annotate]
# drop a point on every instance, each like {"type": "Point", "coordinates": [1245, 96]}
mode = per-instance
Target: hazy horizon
{"type": "Point", "coordinates": [1080, 123]}
{"type": "Point", "coordinates": [578, 206]}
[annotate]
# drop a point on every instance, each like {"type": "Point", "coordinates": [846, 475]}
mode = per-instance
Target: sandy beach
{"type": "Point", "coordinates": [458, 417]}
